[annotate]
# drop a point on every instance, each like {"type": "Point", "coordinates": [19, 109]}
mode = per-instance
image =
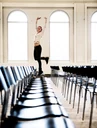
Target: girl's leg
{"type": "Point", "coordinates": [39, 60]}
{"type": "Point", "coordinates": [45, 58]}
{"type": "Point", "coordinates": [37, 57]}
{"type": "Point", "coordinates": [40, 67]}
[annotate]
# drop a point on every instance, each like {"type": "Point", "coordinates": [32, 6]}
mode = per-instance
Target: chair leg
{"type": "Point", "coordinates": [57, 80]}
{"type": "Point", "coordinates": [66, 79]}
{"type": "Point", "coordinates": [68, 89]}
{"type": "Point", "coordinates": [5, 105]}
{"type": "Point", "coordinates": [2, 97]}
{"type": "Point", "coordinates": [90, 96]}
{"type": "Point", "coordinates": [65, 88]}
{"type": "Point", "coordinates": [85, 97]}
{"type": "Point", "coordinates": [74, 95]}
{"type": "Point", "coordinates": [79, 98]}
{"type": "Point", "coordinates": [71, 92]}
{"type": "Point", "coordinates": [82, 93]}
{"type": "Point", "coordinates": [91, 112]}
{"type": "Point", "coordinates": [96, 100]}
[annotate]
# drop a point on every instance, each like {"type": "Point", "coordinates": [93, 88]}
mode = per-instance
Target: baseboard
{"type": "Point", "coordinates": [48, 75]}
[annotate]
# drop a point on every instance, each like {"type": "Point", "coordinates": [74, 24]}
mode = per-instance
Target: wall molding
{"type": "Point", "coordinates": [33, 4]}
{"type": "Point", "coordinates": [1, 42]}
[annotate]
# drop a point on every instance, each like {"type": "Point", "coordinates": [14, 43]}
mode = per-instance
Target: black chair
{"type": "Point", "coordinates": [54, 74]}
{"type": "Point", "coordinates": [92, 89]}
{"type": "Point", "coordinates": [4, 86]}
{"type": "Point", "coordinates": [39, 104]}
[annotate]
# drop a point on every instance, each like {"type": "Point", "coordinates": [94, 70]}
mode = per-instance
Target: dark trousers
{"type": "Point", "coordinates": [37, 56]}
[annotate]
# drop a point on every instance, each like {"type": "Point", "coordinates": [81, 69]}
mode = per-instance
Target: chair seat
{"type": "Point", "coordinates": [40, 83]}
{"type": "Point", "coordinates": [61, 73]}
{"type": "Point", "coordinates": [37, 88]}
{"type": "Point", "coordinates": [39, 91]}
{"type": "Point", "coordinates": [78, 80]}
{"type": "Point", "coordinates": [90, 87]}
{"type": "Point", "coordinates": [37, 112]}
{"type": "Point", "coordinates": [92, 90]}
{"type": "Point", "coordinates": [52, 122]}
{"type": "Point", "coordinates": [37, 102]}
{"type": "Point", "coordinates": [72, 78]}
{"type": "Point", "coordinates": [38, 95]}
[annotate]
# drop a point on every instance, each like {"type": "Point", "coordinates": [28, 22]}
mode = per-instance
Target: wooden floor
{"type": "Point", "coordinates": [76, 118]}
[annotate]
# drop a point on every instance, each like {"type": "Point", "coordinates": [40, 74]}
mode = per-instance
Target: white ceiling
{"type": "Point", "coordinates": [48, 0]}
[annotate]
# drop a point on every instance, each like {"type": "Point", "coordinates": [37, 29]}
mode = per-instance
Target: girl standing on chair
{"type": "Point", "coordinates": [37, 46]}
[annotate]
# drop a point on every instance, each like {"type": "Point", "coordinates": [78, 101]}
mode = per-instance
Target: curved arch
{"type": "Point", "coordinates": [17, 36]}
{"type": "Point", "coordinates": [17, 16]}
{"type": "Point", "coordinates": [59, 16]}
{"type": "Point", "coordinates": [94, 17]}
{"type": "Point", "coordinates": [59, 35]}
{"type": "Point", "coordinates": [94, 36]}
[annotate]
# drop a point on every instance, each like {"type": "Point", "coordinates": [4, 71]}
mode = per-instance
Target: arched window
{"type": "Point", "coordinates": [17, 36]}
{"type": "Point", "coordinates": [59, 36]}
{"type": "Point", "coordinates": [94, 36]}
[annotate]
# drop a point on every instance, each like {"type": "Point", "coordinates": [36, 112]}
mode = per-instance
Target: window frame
{"type": "Point", "coordinates": [90, 9]}
{"type": "Point", "coordinates": [91, 36]}
{"type": "Point", "coordinates": [69, 33]}
{"type": "Point", "coordinates": [6, 45]}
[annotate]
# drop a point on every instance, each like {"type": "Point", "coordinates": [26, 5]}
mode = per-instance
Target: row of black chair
{"type": "Point", "coordinates": [81, 77]}
{"type": "Point", "coordinates": [28, 101]}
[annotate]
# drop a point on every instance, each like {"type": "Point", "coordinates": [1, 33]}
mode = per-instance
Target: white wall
{"type": "Point", "coordinates": [80, 30]}
{"type": "Point", "coordinates": [80, 33]}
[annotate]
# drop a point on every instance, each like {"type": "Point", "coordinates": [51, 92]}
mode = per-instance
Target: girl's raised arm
{"type": "Point", "coordinates": [37, 21]}
{"type": "Point", "coordinates": [45, 23]}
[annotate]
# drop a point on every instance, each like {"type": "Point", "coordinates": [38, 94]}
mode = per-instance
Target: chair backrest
{"type": "Point", "coordinates": [17, 72]}
{"type": "Point", "coordinates": [5, 75]}
{"type": "Point", "coordinates": [32, 69]}
{"type": "Point", "coordinates": [14, 73]}
{"type": "Point", "coordinates": [25, 68]}
{"type": "Point", "coordinates": [28, 70]}
{"type": "Point", "coordinates": [10, 75]}
{"type": "Point", "coordinates": [20, 72]}
{"type": "Point", "coordinates": [94, 72]}
{"type": "Point", "coordinates": [3, 84]}
{"type": "Point", "coordinates": [23, 71]}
